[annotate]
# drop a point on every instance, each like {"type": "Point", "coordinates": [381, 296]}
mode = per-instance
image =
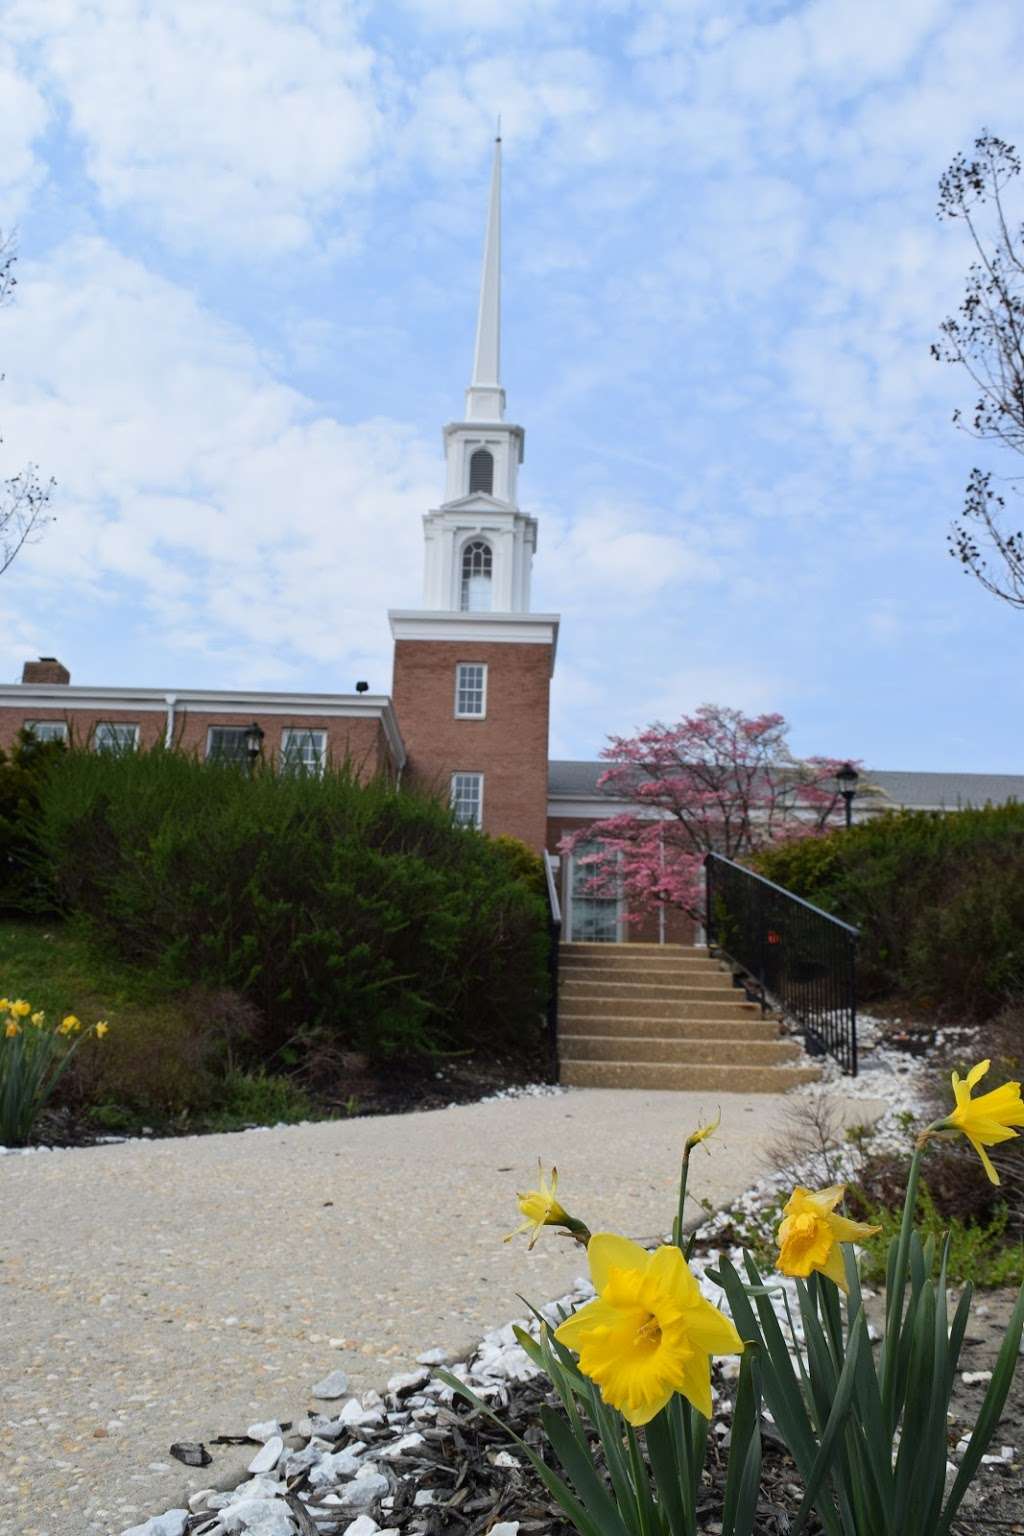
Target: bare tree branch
{"type": "Point", "coordinates": [24, 498]}
{"type": "Point", "coordinates": [986, 338]}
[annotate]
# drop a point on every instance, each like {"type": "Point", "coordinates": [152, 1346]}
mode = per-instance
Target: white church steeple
{"type": "Point", "coordinates": [479, 545]}
{"type": "Point", "coordinates": [485, 398]}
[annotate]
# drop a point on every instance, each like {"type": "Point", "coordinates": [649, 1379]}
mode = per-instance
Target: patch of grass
{"type": "Point", "coordinates": [52, 965]}
{"type": "Point", "coordinates": [256, 1098]}
{"type": "Point", "coordinates": [169, 1061]}
{"type": "Point", "coordinates": [978, 1251]}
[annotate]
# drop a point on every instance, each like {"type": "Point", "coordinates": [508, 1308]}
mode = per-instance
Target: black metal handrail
{"type": "Point", "coordinates": [554, 942]}
{"type": "Point", "coordinates": [800, 958]}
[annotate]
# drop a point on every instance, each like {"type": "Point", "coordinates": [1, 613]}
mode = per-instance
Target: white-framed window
{"type": "Point", "coordinates": [112, 736]}
{"type": "Point", "coordinates": [227, 744]}
{"type": "Point", "coordinates": [470, 690]}
{"type": "Point", "coordinates": [302, 750]}
{"type": "Point", "coordinates": [593, 917]}
{"type": "Point", "coordinates": [477, 568]}
{"type": "Point", "coordinates": [48, 730]}
{"type": "Point", "coordinates": [468, 798]}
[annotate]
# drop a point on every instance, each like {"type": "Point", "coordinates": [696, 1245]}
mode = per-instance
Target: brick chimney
{"type": "Point", "coordinates": [46, 670]}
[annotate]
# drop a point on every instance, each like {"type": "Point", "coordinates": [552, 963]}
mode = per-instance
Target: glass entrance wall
{"type": "Point", "coordinates": [592, 919]}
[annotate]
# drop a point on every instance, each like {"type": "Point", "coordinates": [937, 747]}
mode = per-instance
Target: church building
{"type": "Point", "coordinates": [468, 713]}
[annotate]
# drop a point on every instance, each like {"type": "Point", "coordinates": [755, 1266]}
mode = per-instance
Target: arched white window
{"type": "Point", "coordinates": [476, 577]}
{"type": "Point", "coordinates": [481, 471]}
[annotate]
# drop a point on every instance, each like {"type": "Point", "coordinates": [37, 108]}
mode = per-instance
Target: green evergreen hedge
{"type": "Point", "coordinates": [939, 900]}
{"type": "Point", "coordinates": [333, 905]}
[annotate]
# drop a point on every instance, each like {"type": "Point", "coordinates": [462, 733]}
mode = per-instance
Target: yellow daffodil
{"type": "Point", "coordinates": [69, 1024]}
{"type": "Point", "coordinates": [987, 1120]}
{"type": "Point", "coordinates": [21, 1009]}
{"type": "Point", "coordinates": [811, 1233]}
{"type": "Point", "coordinates": [39, 1019]}
{"type": "Point", "coordinates": [5, 1005]}
{"type": "Point", "coordinates": [12, 1028]}
{"type": "Point", "coordinates": [540, 1208]}
{"type": "Point", "coordinates": [101, 1029]}
{"type": "Point", "coordinates": [649, 1333]}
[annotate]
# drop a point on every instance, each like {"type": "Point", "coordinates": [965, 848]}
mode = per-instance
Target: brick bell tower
{"type": "Point", "coordinates": [473, 666]}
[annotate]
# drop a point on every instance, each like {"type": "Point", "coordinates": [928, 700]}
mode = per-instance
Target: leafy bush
{"type": "Point", "coordinates": [169, 1058]}
{"type": "Point", "coordinates": [22, 773]}
{"type": "Point", "coordinates": [979, 1252]}
{"type": "Point", "coordinates": [939, 900]}
{"type": "Point", "coordinates": [256, 1098]}
{"type": "Point", "coordinates": [330, 904]}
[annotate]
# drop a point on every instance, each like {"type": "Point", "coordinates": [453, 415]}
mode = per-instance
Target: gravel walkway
{"type": "Point", "coordinates": [177, 1290]}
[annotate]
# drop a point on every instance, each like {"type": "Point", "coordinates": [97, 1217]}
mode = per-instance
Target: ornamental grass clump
{"type": "Point", "coordinates": [867, 1427]}
{"type": "Point", "coordinates": [34, 1055]}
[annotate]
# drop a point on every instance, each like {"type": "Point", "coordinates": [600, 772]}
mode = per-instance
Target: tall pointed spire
{"type": "Point", "coordinates": [485, 398]}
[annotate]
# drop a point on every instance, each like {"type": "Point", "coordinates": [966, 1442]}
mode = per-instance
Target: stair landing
{"type": "Point", "coordinates": [666, 1016]}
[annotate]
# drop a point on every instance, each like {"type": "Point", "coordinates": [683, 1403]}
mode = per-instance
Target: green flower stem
{"type": "Point", "coordinates": [640, 1480]}
{"type": "Point", "coordinates": [684, 1171]}
{"type": "Point", "coordinates": [894, 1302]}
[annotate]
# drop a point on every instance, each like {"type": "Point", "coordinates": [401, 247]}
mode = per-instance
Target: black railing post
{"type": "Point", "coordinates": [554, 944]}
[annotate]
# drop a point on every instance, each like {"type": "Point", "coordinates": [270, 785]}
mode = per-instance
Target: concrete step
{"type": "Point", "coordinates": [697, 1078]}
{"type": "Point", "coordinates": [738, 1053]}
{"type": "Point", "coordinates": [639, 991]}
{"type": "Point", "coordinates": [608, 955]}
{"type": "Point", "coordinates": [662, 975]}
{"type": "Point", "coordinates": [595, 1001]}
{"type": "Point", "coordinates": [627, 1027]}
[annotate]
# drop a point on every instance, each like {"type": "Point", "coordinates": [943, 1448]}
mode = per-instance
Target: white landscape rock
{"type": "Point", "coordinates": [170, 1524]}
{"type": "Point", "coordinates": [331, 1467]}
{"type": "Point", "coordinates": [258, 1517]}
{"type": "Point", "coordinates": [402, 1446]}
{"type": "Point", "coordinates": [432, 1357]}
{"type": "Point", "coordinates": [360, 1415]}
{"type": "Point", "coordinates": [363, 1491]}
{"type": "Point", "coordinates": [267, 1458]}
{"type": "Point", "coordinates": [334, 1384]}
{"type": "Point", "coordinates": [265, 1431]}
{"type": "Point", "coordinates": [363, 1525]}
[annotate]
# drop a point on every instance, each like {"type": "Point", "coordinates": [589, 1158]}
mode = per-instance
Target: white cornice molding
{"type": "Point", "coordinates": [329, 706]}
{"type": "Point", "coordinates": [486, 628]}
{"type": "Point", "coordinates": [582, 808]}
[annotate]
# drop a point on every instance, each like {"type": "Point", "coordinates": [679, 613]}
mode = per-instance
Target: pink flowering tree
{"type": "Point", "coordinates": [717, 780]}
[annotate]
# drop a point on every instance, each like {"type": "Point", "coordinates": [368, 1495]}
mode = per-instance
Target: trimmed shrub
{"type": "Point", "coordinates": [939, 900]}
{"type": "Point", "coordinates": [22, 773]}
{"type": "Point", "coordinates": [330, 904]}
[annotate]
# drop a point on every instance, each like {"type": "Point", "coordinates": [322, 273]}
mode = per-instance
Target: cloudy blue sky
{"type": "Point", "coordinates": [250, 238]}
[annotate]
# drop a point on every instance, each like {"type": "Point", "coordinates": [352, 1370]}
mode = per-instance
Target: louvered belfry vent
{"type": "Point", "coordinates": [481, 471]}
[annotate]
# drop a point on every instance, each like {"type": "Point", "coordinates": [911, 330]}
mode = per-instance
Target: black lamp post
{"type": "Point", "coordinates": [847, 777]}
{"type": "Point", "coordinates": [253, 743]}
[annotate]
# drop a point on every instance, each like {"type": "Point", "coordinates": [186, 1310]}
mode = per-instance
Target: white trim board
{"type": "Point", "coordinates": [485, 628]}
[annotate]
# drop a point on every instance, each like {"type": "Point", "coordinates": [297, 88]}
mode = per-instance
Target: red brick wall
{"type": "Point", "coordinates": [679, 929]}
{"type": "Point", "coordinates": [82, 722]}
{"type": "Point", "coordinates": [509, 746]}
{"type": "Point", "coordinates": [361, 739]}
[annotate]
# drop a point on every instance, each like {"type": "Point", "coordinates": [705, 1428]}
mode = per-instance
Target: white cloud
{"type": "Point", "coordinates": [239, 123]}
{"type": "Point", "coordinates": [23, 116]}
{"type": "Point", "coordinates": [194, 483]}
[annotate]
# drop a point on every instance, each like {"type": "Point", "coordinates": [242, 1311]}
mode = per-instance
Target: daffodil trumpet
{"type": "Point", "coordinates": [649, 1333]}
